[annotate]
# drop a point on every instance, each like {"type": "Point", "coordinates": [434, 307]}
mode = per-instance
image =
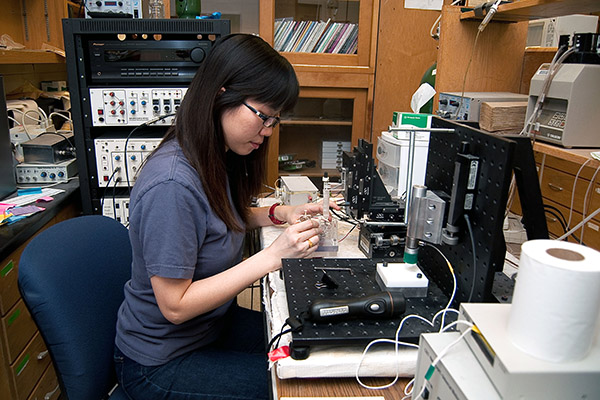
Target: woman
{"type": "Point", "coordinates": [180, 334]}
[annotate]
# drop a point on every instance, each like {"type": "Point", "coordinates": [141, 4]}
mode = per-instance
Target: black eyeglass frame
{"type": "Point", "coordinates": [265, 118]}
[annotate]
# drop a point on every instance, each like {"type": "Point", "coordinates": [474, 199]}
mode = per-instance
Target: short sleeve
{"type": "Point", "coordinates": [172, 225]}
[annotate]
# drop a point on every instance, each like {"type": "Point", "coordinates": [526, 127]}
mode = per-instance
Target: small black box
{"type": "Point", "coordinates": [49, 148]}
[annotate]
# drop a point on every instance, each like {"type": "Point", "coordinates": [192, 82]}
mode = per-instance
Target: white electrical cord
{"type": "Point", "coordinates": [552, 69]}
{"type": "Point", "coordinates": [397, 342]}
{"type": "Point", "coordinates": [585, 201]}
{"type": "Point", "coordinates": [579, 225]}
{"type": "Point", "coordinates": [439, 357]}
{"type": "Point", "coordinates": [436, 24]}
{"type": "Point", "coordinates": [573, 191]}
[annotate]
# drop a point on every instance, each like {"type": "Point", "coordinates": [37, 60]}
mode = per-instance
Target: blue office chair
{"type": "Point", "coordinates": [71, 278]}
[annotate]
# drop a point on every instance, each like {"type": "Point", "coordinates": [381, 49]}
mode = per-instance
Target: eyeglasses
{"type": "Point", "coordinates": [268, 121]}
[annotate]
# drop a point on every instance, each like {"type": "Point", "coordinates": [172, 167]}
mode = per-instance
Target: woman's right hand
{"type": "Point", "coordinates": [297, 241]}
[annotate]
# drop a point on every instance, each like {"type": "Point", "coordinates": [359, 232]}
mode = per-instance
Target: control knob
{"type": "Point", "coordinates": [197, 54]}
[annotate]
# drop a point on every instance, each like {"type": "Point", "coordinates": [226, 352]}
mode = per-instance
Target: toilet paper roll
{"type": "Point", "coordinates": [556, 301]}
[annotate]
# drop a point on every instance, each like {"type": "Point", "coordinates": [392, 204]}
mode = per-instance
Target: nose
{"type": "Point", "coordinates": [266, 131]}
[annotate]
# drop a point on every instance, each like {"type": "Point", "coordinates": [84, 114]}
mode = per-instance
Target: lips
{"type": "Point", "coordinates": [255, 145]}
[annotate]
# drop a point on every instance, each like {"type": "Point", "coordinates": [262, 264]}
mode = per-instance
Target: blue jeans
{"type": "Point", "coordinates": [233, 368]}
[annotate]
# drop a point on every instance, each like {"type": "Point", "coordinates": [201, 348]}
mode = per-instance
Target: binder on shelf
{"type": "Point", "coordinates": [288, 34]}
{"type": "Point", "coordinates": [300, 36]}
{"type": "Point", "coordinates": [322, 26]}
{"type": "Point", "coordinates": [306, 37]}
{"type": "Point", "coordinates": [297, 32]}
{"type": "Point", "coordinates": [320, 47]}
{"type": "Point", "coordinates": [315, 36]}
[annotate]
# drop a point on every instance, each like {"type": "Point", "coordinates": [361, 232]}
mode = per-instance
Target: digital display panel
{"type": "Point", "coordinates": [136, 55]}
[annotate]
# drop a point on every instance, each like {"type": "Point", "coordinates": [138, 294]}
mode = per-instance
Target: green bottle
{"type": "Point", "coordinates": [188, 9]}
{"type": "Point", "coordinates": [428, 77]}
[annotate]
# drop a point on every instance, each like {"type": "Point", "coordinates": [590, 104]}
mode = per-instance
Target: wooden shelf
{"type": "Point", "coordinates": [525, 10]}
{"type": "Point", "coordinates": [323, 122]}
{"type": "Point", "coordinates": [578, 156]}
{"type": "Point", "coordinates": [313, 172]}
{"type": "Point", "coordinates": [30, 57]}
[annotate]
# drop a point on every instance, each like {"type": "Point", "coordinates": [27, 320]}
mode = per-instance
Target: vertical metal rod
{"type": "Point", "coordinates": [409, 175]}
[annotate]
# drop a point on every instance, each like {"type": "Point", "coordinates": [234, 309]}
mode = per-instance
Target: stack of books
{"type": "Point", "coordinates": [315, 36]}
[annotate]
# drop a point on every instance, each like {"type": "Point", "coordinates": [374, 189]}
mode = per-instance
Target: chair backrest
{"type": "Point", "coordinates": [71, 277]}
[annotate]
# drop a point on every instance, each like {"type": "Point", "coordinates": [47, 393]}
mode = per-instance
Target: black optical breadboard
{"type": "Point", "coordinates": [475, 278]}
{"type": "Point", "coordinates": [302, 278]}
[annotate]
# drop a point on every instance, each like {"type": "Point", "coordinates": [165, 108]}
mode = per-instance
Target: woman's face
{"type": "Point", "coordinates": [243, 129]}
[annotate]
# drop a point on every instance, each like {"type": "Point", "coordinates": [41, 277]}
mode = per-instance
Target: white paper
{"type": "Point", "coordinates": [424, 93]}
{"type": "Point", "coordinates": [30, 198]}
{"type": "Point", "coordinates": [424, 4]}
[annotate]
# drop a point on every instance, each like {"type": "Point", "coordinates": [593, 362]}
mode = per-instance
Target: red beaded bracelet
{"type": "Point", "coordinates": [272, 215]}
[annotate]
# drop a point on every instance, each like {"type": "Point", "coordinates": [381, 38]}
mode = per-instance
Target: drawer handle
{"type": "Point", "coordinates": [49, 395]}
{"type": "Point", "coordinates": [554, 187]}
{"type": "Point", "coordinates": [551, 219]}
{"type": "Point", "coordinates": [42, 355]}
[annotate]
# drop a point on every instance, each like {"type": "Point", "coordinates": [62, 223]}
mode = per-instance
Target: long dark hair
{"type": "Point", "coordinates": [248, 68]}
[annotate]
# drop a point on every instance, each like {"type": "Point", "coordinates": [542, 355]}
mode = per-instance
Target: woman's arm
{"type": "Point", "coordinates": [180, 300]}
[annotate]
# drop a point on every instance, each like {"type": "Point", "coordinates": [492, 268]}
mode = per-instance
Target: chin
{"type": "Point", "coordinates": [242, 152]}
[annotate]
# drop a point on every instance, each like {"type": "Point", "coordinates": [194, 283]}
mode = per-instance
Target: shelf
{"type": "Point", "coordinates": [315, 122]}
{"type": "Point", "coordinates": [525, 10]}
{"type": "Point", "coordinates": [30, 57]}
{"type": "Point", "coordinates": [311, 172]}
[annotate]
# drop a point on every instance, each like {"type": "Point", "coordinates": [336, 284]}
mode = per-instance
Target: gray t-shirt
{"type": "Point", "coordinates": [174, 234]}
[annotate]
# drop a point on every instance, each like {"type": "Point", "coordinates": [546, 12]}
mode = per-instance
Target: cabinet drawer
{"type": "Point", "coordinates": [47, 388]}
{"type": "Point", "coordinates": [17, 328]}
{"type": "Point", "coordinates": [9, 289]}
{"type": "Point", "coordinates": [29, 367]}
{"type": "Point", "coordinates": [564, 165]}
{"type": "Point", "coordinates": [558, 186]}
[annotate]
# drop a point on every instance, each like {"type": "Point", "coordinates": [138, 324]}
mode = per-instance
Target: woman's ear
{"type": "Point", "coordinates": [221, 90]}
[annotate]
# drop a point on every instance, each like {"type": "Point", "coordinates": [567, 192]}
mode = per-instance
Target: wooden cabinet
{"type": "Point", "coordinates": [37, 25]}
{"type": "Point", "coordinates": [492, 64]}
{"type": "Point", "coordinates": [570, 191]}
{"type": "Point", "coordinates": [26, 372]}
{"type": "Point", "coordinates": [323, 118]}
{"type": "Point", "coordinates": [24, 354]}
{"type": "Point", "coordinates": [495, 62]}
{"type": "Point", "coordinates": [336, 93]}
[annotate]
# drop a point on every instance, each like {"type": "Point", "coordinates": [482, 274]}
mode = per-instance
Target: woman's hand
{"type": "Point", "coordinates": [297, 241]}
{"type": "Point", "coordinates": [296, 213]}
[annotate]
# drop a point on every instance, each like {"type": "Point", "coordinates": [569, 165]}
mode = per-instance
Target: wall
{"type": "Point", "coordinates": [405, 50]}
{"type": "Point", "coordinates": [243, 13]}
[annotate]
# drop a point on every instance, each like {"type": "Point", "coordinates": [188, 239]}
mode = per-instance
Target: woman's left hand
{"type": "Point", "coordinates": [296, 213]}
